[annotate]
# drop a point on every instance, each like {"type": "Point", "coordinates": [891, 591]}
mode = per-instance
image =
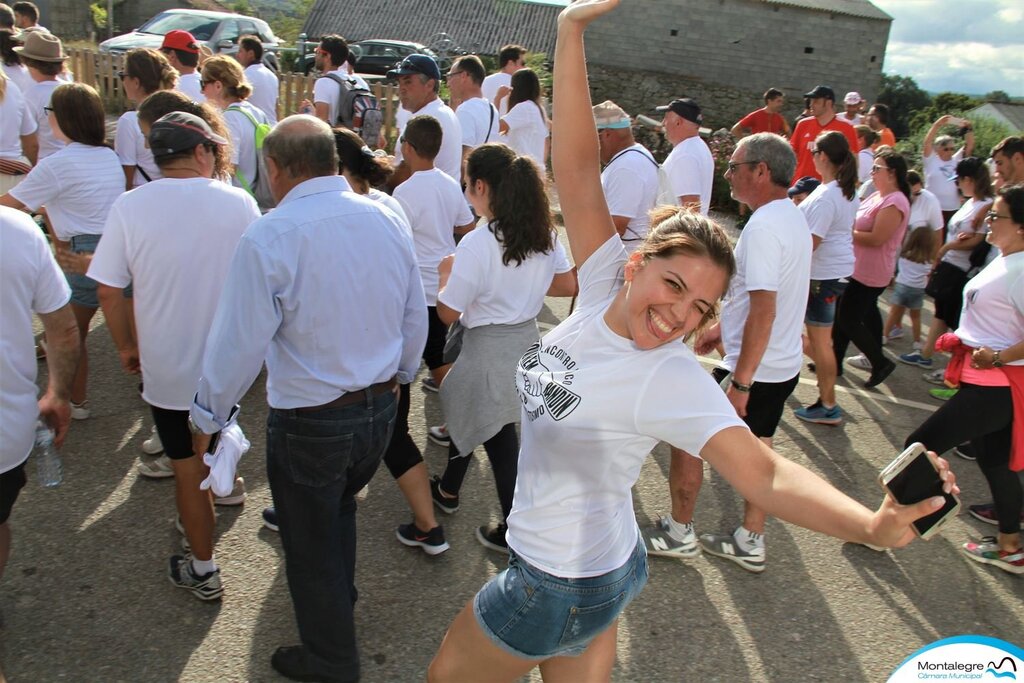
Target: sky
{"type": "Point", "coordinates": [966, 46]}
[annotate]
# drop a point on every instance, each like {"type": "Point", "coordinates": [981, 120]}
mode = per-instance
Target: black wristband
{"type": "Point", "coordinates": [742, 388]}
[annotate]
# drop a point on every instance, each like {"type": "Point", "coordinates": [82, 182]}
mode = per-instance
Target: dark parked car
{"type": "Point", "coordinates": [377, 56]}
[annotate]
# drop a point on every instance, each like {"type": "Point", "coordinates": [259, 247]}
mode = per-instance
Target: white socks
{"type": "Point", "coordinates": [748, 540]}
{"type": "Point", "coordinates": [678, 531]}
{"type": "Point", "coordinates": [203, 567]}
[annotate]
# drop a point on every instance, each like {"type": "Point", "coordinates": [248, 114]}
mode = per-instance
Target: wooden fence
{"type": "Point", "coordinates": [100, 70]}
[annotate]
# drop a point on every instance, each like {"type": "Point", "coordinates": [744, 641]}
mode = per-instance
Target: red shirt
{"type": "Point", "coordinates": [806, 132]}
{"type": "Point", "coordinates": [761, 121]}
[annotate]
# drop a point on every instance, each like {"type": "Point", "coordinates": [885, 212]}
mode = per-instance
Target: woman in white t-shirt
{"type": "Point", "coordinates": [366, 171]}
{"type": "Point", "coordinates": [830, 210]}
{"type": "Point", "coordinates": [988, 368]}
{"type": "Point", "coordinates": [224, 85]}
{"type": "Point", "coordinates": [599, 392]}
{"type": "Point", "coordinates": [77, 184]}
{"type": "Point", "coordinates": [17, 135]}
{"type": "Point", "coordinates": [494, 287]}
{"type": "Point", "coordinates": [525, 126]}
{"type": "Point", "coordinates": [145, 72]}
{"type": "Point", "coordinates": [866, 138]}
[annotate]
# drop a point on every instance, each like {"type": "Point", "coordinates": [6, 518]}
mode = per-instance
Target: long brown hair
{"type": "Point", "coordinates": [836, 149]}
{"type": "Point", "coordinates": [163, 102]}
{"type": "Point", "coordinates": [151, 68]}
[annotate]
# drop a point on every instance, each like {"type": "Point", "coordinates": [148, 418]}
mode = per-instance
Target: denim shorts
{"type": "Point", "coordinates": [907, 296]}
{"type": "Point", "coordinates": [83, 289]}
{"type": "Point", "coordinates": [535, 615]}
{"type": "Point", "coordinates": [821, 302]}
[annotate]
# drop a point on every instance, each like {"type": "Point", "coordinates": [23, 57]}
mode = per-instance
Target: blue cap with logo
{"type": "Point", "coordinates": [417, 64]}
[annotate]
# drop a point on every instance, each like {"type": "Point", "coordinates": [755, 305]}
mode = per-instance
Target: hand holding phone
{"type": "Point", "coordinates": [922, 483]}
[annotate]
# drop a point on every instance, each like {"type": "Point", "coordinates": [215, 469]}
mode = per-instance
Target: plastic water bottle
{"type": "Point", "coordinates": [48, 465]}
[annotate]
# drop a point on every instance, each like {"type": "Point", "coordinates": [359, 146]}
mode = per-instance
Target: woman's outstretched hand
{"type": "Point", "coordinates": [582, 12]}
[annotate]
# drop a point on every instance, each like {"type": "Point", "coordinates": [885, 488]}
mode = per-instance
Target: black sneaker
{"type": "Point", "coordinates": [270, 519]}
{"type": "Point", "coordinates": [878, 375]}
{"type": "Point", "coordinates": [429, 384]}
{"type": "Point", "coordinates": [432, 541]}
{"type": "Point", "coordinates": [443, 503]}
{"type": "Point", "coordinates": [493, 536]}
{"type": "Point", "coordinates": [290, 661]}
{"type": "Point", "coordinates": [207, 587]}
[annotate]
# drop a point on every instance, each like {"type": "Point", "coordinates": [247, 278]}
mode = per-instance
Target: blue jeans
{"type": "Point", "coordinates": [316, 462]}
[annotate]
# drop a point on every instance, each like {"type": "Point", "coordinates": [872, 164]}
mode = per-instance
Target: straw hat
{"type": "Point", "coordinates": [42, 47]}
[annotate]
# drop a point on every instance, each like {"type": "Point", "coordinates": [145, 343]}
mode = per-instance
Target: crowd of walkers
{"type": "Point", "coordinates": [451, 243]}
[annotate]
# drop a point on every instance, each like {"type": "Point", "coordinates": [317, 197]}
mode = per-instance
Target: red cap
{"type": "Point", "coordinates": [180, 40]}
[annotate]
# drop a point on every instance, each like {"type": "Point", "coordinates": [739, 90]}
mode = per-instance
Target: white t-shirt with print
{"type": "Point", "coordinates": [773, 254]}
{"type": "Point", "coordinates": [489, 88]}
{"type": "Point", "coordinates": [479, 122]}
{"type": "Point", "coordinates": [594, 405]}
{"type": "Point", "coordinates": [488, 292]}
{"type": "Point", "coordinates": [265, 87]}
{"type": "Point", "coordinates": [177, 268]}
{"type": "Point", "coordinates": [37, 97]}
{"type": "Point", "coordinates": [689, 170]}
{"type": "Point", "coordinates": [243, 139]}
{"type": "Point", "coordinates": [963, 221]}
{"type": "Point", "coordinates": [940, 178]}
{"type": "Point", "coordinates": [434, 205]}
{"type": "Point", "coordinates": [14, 122]}
{"type": "Point", "coordinates": [188, 84]}
{"type": "Point", "coordinates": [830, 216]}
{"type": "Point", "coordinates": [527, 131]}
{"type": "Point", "coordinates": [449, 158]}
{"type": "Point", "coordinates": [993, 313]}
{"type": "Point", "coordinates": [30, 282]}
{"type": "Point", "coordinates": [630, 184]}
{"type": "Point", "coordinates": [77, 184]}
{"type": "Point", "coordinates": [132, 150]}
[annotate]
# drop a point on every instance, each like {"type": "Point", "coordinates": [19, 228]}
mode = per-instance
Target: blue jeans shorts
{"type": "Point", "coordinates": [83, 289]}
{"type": "Point", "coordinates": [909, 297]}
{"type": "Point", "coordinates": [535, 615]}
{"type": "Point", "coordinates": [821, 302]}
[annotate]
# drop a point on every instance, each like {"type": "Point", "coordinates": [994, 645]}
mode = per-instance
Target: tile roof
{"type": "Point", "coordinates": [854, 8]}
{"type": "Point", "coordinates": [1013, 113]}
{"type": "Point", "coordinates": [476, 25]}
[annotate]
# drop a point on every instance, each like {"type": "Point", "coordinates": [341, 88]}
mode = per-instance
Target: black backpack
{"type": "Point", "coordinates": [351, 93]}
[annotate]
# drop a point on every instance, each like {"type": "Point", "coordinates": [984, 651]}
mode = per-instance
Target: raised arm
{"type": "Point", "coordinates": [575, 159]}
{"type": "Point", "coordinates": [929, 137]}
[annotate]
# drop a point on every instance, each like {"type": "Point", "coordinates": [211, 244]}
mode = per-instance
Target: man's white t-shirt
{"type": "Point", "coordinates": [865, 160]}
{"type": "Point", "coordinates": [488, 292]}
{"type": "Point", "coordinates": [690, 170]}
{"type": "Point", "coordinates": [479, 122]}
{"type": "Point", "coordinates": [940, 179]}
{"type": "Point", "coordinates": [489, 88]}
{"type": "Point", "coordinates": [177, 268]}
{"type": "Point", "coordinates": [19, 74]}
{"type": "Point", "coordinates": [630, 184]}
{"type": "Point", "coordinates": [30, 282]}
{"type": "Point", "coordinates": [328, 91]}
{"type": "Point", "coordinates": [78, 184]}
{"type": "Point", "coordinates": [855, 121]}
{"type": "Point", "coordinates": [925, 211]}
{"type": "Point", "coordinates": [830, 216]}
{"type": "Point", "coordinates": [434, 205]}
{"type": "Point", "coordinates": [36, 98]}
{"type": "Point", "coordinates": [594, 405]}
{"type": "Point", "coordinates": [773, 254]}
{"type": "Point", "coordinates": [188, 84]}
{"type": "Point", "coordinates": [449, 158]}
{"type": "Point", "coordinates": [265, 87]}
{"type": "Point", "coordinates": [993, 314]}
{"type": "Point", "coordinates": [14, 122]}
{"type": "Point", "coordinates": [527, 131]}
{"type": "Point", "coordinates": [243, 139]}
{"type": "Point", "coordinates": [131, 148]}
{"type": "Point", "coordinates": [963, 221]}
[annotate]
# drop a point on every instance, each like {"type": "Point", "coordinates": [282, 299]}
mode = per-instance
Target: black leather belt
{"type": "Point", "coordinates": [351, 397]}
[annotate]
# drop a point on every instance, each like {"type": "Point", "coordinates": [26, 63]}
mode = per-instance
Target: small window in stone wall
{"type": "Point", "coordinates": [808, 50]}
{"type": "Point", "coordinates": [873, 59]}
{"type": "Point", "coordinates": [674, 32]}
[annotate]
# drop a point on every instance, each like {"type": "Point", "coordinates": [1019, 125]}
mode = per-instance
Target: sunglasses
{"type": "Point", "coordinates": [122, 75]}
{"type": "Point", "coordinates": [992, 215]}
{"type": "Point", "coordinates": [879, 169]}
{"type": "Point", "coordinates": [48, 110]}
{"type": "Point", "coordinates": [453, 73]}
{"type": "Point", "coordinates": [402, 139]}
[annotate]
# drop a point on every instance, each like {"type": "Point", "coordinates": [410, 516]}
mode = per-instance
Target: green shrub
{"type": "Point", "coordinates": [987, 133]}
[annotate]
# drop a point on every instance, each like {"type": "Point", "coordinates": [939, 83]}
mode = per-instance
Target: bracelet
{"type": "Point", "coordinates": [742, 388]}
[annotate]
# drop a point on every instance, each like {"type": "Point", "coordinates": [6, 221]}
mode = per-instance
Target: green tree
{"type": "Point", "coordinates": [998, 96]}
{"type": "Point", "coordinates": [904, 97]}
{"type": "Point", "coordinates": [953, 103]}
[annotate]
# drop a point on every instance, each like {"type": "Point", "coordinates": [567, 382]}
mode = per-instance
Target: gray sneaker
{"type": "Point", "coordinates": [935, 376]}
{"type": "Point", "coordinates": [725, 545]}
{"type": "Point", "coordinates": [207, 587]}
{"type": "Point", "coordinates": [659, 541]}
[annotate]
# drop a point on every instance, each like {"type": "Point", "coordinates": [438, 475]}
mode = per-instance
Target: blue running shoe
{"type": "Point", "coordinates": [917, 359]}
{"type": "Point", "coordinates": [819, 414]}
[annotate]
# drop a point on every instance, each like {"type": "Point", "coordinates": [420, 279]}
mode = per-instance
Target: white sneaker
{"type": "Point", "coordinates": [153, 445]}
{"type": "Point", "coordinates": [80, 411]}
{"type": "Point", "coordinates": [155, 468]}
{"type": "Point", "coordinates": [236, 497]}
{"type": "Point", "coordinates": [859, 361]}
{"type": "Point", "coordinates": [936, 376]}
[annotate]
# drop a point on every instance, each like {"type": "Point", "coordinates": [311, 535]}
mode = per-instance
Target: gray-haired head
{"type": "Point", "coordinates": [774, 151]}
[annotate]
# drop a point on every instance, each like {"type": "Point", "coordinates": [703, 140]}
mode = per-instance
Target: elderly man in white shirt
{"type": "Point", "coordinates": [334, 361]}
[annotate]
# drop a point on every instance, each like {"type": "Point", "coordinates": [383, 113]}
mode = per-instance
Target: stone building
{"type": "Point", "coordinates": [724, 53]}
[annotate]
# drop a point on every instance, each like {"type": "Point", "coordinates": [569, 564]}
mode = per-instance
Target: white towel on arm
{"type": "Point", "coordinates": [231, 446]}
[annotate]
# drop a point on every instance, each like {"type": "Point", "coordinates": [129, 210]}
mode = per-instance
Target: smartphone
{"type": "Point", "coordinates": [911, 478]}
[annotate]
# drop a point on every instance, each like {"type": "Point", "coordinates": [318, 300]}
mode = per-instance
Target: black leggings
{"type": "Point", "coordinates": [402, 453]}
{"type": "Point", "coordinates": [983, 416]}
{"type": "Point", "coordinates": [859, 321]}
{"type": "Point", "coordinates": [503, 452]}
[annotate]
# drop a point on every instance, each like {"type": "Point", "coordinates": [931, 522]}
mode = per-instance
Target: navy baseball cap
{"type": "Point", "coordinates": [685, 107]}
{"type": "Point", "coordinates": [417, 64]}
{"type": "Point", "coordinates": [821, 91]}
{"type": "Point", "coordinates": [807, 184]}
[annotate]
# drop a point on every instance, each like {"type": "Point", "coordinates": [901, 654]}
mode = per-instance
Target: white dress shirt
{"type": "Point", "coordinates": [327, 290]}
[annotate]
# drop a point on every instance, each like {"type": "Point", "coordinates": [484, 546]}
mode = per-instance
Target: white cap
{"type": "Point", "coordinates": [853, 98]}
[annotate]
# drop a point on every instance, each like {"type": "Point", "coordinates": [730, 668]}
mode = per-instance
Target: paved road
{"type": "Point", "coordinates": [86, 598]}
